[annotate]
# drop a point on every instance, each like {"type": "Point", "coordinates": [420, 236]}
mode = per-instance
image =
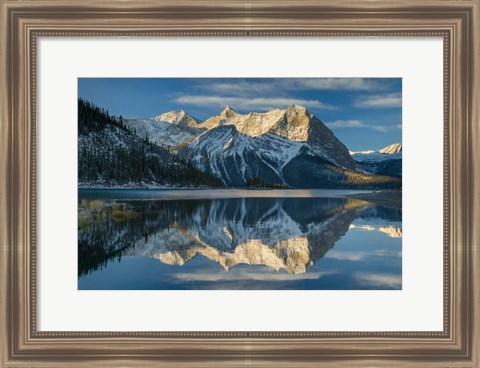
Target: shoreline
{"type": "Point", "coordinates": [166, 187]}
{"type": "Point", "coordinates": [385, 198]}
{"type": "Point", "coordinates": [142, 187]}
{"type": "Point", "coordinates": [208, 193]}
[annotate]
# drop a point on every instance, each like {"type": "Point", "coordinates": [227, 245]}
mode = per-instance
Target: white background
{"type": "Point", "coordinates": [417, 307]}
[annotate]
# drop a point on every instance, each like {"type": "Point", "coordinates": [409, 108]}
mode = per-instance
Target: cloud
{"type": "Point", "coordinates": [264, 274]}
{"type": "Point", "coordinates": [243, 87]}
{"type": "Point", "coordinates": [346, 124]}
{"type": "Point", "coordinates": [341, 124]}
{"type": "Point", "coordinates": [244, 103]}
{"type": "Point", "coordinates": [361, 255]}
{"type": "Point", "coordinates": [379, 280]}
{"type": "Point", "coordinates": [344, 84]}
{"type": "Point", "coordinates": [380, 101]}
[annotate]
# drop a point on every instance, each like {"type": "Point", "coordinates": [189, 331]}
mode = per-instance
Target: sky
{"type": "Point", "coordinates": [364, 113]}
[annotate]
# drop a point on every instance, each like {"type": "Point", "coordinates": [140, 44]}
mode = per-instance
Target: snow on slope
{"type": "Point", "coordinates": [180, 118]}
{"type": "Point", "coordinates": [237, 147]}
{"type": "Point", "coordinates": [394, 151]}
{"type": "Point", "coordinates": [160, 132]}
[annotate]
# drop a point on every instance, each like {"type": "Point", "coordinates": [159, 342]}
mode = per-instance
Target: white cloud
{"type": "Point", "coordinates": [341, 124]}
{"type": "Point", "coordinates": [243, 87]}
{"type": "Point", "coordinates": [244, 103]}
{"type": "Point", "coordinates": [346, 124]}
{"type": "Point", "coordinates": [234, 274]}
{"type": "Point", "coordinates": [380, 101]}
{"type": "Point", "coordinates": [346, 84]}
{"type": "Point", "coordinates": [361, 255]}
{"type": "Point", "coordinates": [379, 280]}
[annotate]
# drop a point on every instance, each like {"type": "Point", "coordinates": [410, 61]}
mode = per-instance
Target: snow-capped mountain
{"type": "Point", "coordinates": [289, 147]}
{"type": "Point", "coordinates": [159, 132]}
{"type": "Point", "coordinates": [180, 118]}
{"type": "Point", "coordinates": [385, 161]}
{"type": "Point", "coordinates": [167, 130]}
{"type": "Point", "coordinates": [393, 151]}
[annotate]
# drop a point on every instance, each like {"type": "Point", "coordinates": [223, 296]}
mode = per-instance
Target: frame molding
{"type": "Point", "coordinates": [22, 22]}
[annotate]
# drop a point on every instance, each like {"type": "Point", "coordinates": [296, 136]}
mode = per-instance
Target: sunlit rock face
{"type": "Point", "coordinates": [288, 234]}
{"type": "Point", "coordinates": [237, 147]}
{"type": "Point", "coordinates": [392, 149]}
{"type": "Point", "coordinates": [180, 118]}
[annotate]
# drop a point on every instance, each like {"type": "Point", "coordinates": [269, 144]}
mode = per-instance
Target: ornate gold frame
{"type": "Point", "coordinates": [23, 22]}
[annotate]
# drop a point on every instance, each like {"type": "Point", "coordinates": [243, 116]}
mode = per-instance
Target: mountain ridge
{"type": "Point", "coordinates": [288, 147]}
{"type": "Point", "coordinates": [385, 161]}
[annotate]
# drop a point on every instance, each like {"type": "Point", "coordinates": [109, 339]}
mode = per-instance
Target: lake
{"type": "Point", "coordinates": [236, 240]}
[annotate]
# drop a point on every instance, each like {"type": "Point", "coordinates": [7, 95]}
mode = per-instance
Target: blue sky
{"type": "Point", "coordinates": [364, 113]}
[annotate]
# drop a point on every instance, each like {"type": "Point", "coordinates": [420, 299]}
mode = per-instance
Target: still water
{"type": "Point", "coordinates": [236, 239]}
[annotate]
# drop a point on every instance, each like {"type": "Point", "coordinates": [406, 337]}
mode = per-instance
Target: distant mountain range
{"type": "Point", "coordinates": [281, 148]}
{"type": "Point", "coordinates": [386, 161]}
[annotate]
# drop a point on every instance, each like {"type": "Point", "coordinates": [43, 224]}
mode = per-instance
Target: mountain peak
{"type": "Point", "coordinates": [228, 112]}
{"type": "Point", "coordinates": [392, 149]}
{"type": "Point", "coordinates": [297, 107]}
{"type": "Point", "coordinates": [178, 117]}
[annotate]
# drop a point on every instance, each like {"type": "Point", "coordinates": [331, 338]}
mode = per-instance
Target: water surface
{"type": "Point", "coordinates": [236, 239]}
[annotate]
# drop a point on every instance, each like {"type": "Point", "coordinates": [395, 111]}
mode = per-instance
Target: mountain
{"type": "Point", "coordinates": [290, 147]}
{"type": "Point", "coordinates": [180, 118]}
{"type": "Point", "coordinates": [109, 154]}
{"type": "Point", "coordinates": [167, 130]}
{"type": "Point", "coordinates": [392, 149]}
{"type": "Point", "coordinates": [281, 148]}
{"type": "Point", "coordinates": [385, 161]}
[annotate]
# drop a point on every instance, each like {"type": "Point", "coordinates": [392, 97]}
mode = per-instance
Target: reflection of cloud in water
{"type": "Point", "coordinates": [391, 231]}
{"type": "Point", "coordinates": [361, 255]}
{"type": "Point", "coordinates": [247, 274]}
{"type": "Point", "coordinates": [379, 280]}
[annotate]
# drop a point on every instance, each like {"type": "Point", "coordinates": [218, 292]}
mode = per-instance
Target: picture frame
{"type": "Point", "coordinates": [24, 22]}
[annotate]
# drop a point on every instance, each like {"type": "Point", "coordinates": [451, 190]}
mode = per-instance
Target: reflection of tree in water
{"type": "Point", "coordinates": [283, 233]}
{"type": "Point", "coordinates": [113, 227]}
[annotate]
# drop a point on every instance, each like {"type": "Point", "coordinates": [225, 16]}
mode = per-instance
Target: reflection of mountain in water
{"type": "Point", "coordinates": [283, 233]}
{"type": "Point", "coordinates": [391, 231]}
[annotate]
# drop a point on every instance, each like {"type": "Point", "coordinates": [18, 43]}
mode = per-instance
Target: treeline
{"type": "Point", "coordinates": [256, 182]}
{"type": "Point", "coordinates": [115, 156]}
{"type": "Point", "coordinates": [136, 163]}
{"type": "Point", "coordinates": [92, 118]}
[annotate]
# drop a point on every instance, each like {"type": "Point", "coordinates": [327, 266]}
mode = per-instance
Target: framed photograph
{"type": "Point", "coordinates": [240, 200]}
{"type": "Point", "coordinates": [240, 184]}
